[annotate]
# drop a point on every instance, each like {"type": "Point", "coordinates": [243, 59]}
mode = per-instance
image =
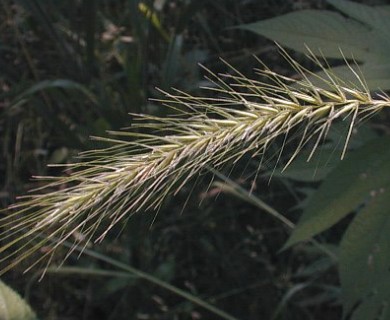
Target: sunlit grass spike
{"type": "Point", "coordinates": [158, 156]}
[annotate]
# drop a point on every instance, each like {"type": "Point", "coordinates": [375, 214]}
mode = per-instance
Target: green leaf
{"type": "Point", "coordinates": [12, 306]}
{"type": "Point", "coordinates": [365, 259]}
{"type": "Point", "coordinates": [316, 169]}
{"type": "Point", "coordinates": [375, 17]}
{"type": "Point", "coordinates": [345, 189]}
{"type": "Point", "coordinates": [376, 76]}
{"type": "Point", "coordinates": [385, 8]}
{"type": "Point", "coordinates": [59, 84]}
{"type": "Point", "coordinates": [172, 63]}
{"type": "Point", "coordinates": [363, 37]}
{"type": "Point", "coordinates": [326, 157]}
{"type": "Point", "coordinates": [324, 32]}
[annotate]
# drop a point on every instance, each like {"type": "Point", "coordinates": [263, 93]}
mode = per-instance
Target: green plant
{"type": "Point", "coordinates": [96, 69]}
{"type": "Point", "coordinates": [358, 186]}
{"type": "Point", "coordinates": [241, 116]}
{"type": "Point", "coordinates": [12, 306]}
{"type": "Point", "coordinates": [109, 185]}
{"type": "Point", "coordinates": [359, 32]}
{"type": "Point", "coordinates": [53, 101]}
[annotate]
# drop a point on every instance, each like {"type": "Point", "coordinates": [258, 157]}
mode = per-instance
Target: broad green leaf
{"type": "Point", "coordinates": [310, 171]}
{"type": "Point", "coordinates": [372, 16]}
{"type": "Point", "coordinates": [375, 306]}
{"type": "Point", "coordinates": [385, 8]}
{"type": "Point", "coordinates": [345, 189]}
{"type": "Point", "coordinates": [326, 156]}
{"type": "Point", "coordinates": [326, 33]}
{"type": "Point", "coordinates": [365, 258]}
{"type": "Point", "coordinates": [12, 306]}
{"type": "Point", "coordinates": [362, 36]}
{"type": "Point", "coordinates": [360, 136]}
{"type": "Point", "coordinates": [376, 76]}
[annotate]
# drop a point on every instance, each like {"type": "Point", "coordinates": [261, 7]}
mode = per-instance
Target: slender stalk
{"type": "Point", "coordinates": [148, 277]}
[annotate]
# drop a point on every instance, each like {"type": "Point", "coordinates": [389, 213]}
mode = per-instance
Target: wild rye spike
{"type": "Point", "coordinates": [130, 176]}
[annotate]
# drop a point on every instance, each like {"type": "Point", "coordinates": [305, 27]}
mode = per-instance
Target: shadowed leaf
{"type": "Point", "coordinates": [345, 189]}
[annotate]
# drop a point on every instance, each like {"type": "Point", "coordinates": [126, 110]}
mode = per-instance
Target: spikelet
{"type": "Point", "coordinates": [160, 155]}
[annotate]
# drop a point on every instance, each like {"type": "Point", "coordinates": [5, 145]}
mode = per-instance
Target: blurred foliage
{"type": "Point", "coordinates": [12, 306]}
{"type": "Point", "coordinates": [74, 69]}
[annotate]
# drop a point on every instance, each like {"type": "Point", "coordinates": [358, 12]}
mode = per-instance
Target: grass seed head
{"type": "Point", "coordinates": [139, 170]}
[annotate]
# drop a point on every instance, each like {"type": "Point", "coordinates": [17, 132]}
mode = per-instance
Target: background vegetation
{"type": "Point", "coordinates": [74, 69]}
